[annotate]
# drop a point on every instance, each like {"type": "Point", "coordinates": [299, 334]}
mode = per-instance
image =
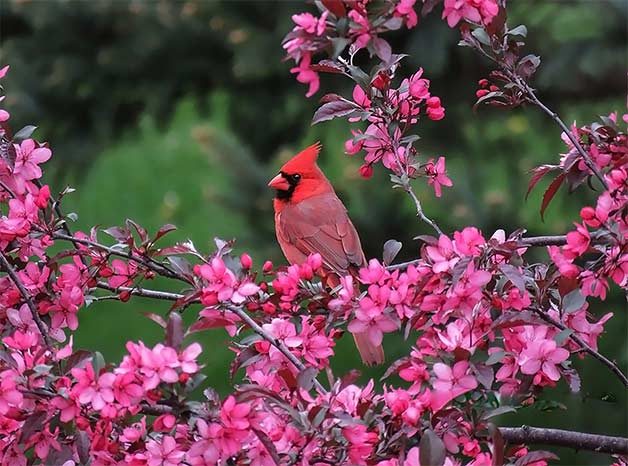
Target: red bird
{"type": "Point", "coordinates": [309, 218]}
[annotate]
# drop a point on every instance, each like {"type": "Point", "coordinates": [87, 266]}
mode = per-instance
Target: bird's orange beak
{"type": "Point", "coordinates": [279, 183]}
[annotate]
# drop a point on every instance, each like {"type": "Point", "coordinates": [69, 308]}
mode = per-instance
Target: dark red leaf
{"type": "Point", "coordinates": [395, 367]}
{"type": "Point", "coordinates": [332, 110]}
{"type": "Point", "coordinates": [382, 49]}
{"type": "Point", "coordinates": [141, 231]}
{"type": "Point", "coordinates": [33, 424]}
{"type": "Point", "coordinates": [535, 456]}
{"type": "Point", "coordinates": [498, 445]}
{"type": "Point", "coordinates": [537, 174]}
{"type": "Point", "coordinates": [288, 377]}
{"type": "Point", "coordinates": [268, 444]}
{"type": "Point", "coordinates": [174, 330]}
{"type": "Point", "coordinates": [431, 449]}
{"type": "Point", "coordinates": [573, 379]}
{"type": "Point", "coordinates": [241, 359]}
{"type": "Point", "coordinates": [306, 378]}
{"type": "Point", "coordinates": [336, 7]}
{"type": "Point", "coordinates": [76, 359]}
{"type": "Point", "coordinates": [327, 66]}
{"type": "Point", "coordinates": [428, 6]}
{"type": "Point", "coordinates": [550, 192]}
{"type": "Point", "coordinates": [515, 319]}
{"type": "Point", "coordinates": [391, 249]}
{"type": "Point", "coordinates": [121, 235]}
{"type": "Point", "coordinates": [156, 318]}
{"type": "Point", "coordinates": [205, 324]}
{"type": "Point", "coordinates": [513, 274]}
{"type": "Point", "coordinates": [164, 230]}
{"type": "Point", "coordinates": [484, 374]}
{"type": "Point", "coordinates": [173, 250]}
{"type": "Point", "coordinates": [82, 446]}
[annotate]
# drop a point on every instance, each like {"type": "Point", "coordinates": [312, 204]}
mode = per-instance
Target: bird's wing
{"type": "Point", "coordinates": [321, 225]}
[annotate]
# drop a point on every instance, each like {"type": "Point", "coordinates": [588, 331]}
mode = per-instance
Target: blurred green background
{"type": "Point", "coordinates": [179, 112]}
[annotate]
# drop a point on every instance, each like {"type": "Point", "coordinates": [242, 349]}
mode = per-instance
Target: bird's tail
{"type": "Point", "coordinates": [371, 355]}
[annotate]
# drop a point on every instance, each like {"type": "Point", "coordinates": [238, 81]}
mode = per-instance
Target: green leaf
{"type": "Point", "coordinates": [24, 133]}
{"type": "Point", "coordinates": [573, 301]}
{"type": "Point", "coordinates": [496, 357]}
{"type": "Point", "coordinates": [561, 336]}
{"type": "Point", "coordinates": [481, 35]}
{"type": "Point", "coordinates": [498, 412]}
{"type": "Point", "coordinates": [520, 30]}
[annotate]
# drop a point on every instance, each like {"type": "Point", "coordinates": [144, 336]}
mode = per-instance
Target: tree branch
{"type": "Point", "coordinates": [534, 99]}
{"type": "Point", "coordinates": [146, 262]}
{"type": "Point", "coordinates": [164, 295]}
{"type": "Point", "coordinates": [236, 310]}
{"type": "Point", "coordinates": [27, 297]}
{"type": "Point", "coordinates": [565, 438]}
{"type": "Point", "coordinates": [419, 209]}
{"type": "Point", "coordinates": [597, 355]}
{"type": "Point", "coordinates": [533, 241]}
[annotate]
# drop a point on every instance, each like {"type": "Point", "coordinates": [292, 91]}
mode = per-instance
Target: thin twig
{"type": "Point", "coordinates": [236, 310]}
{"type": "Point", "coordinates": [529, 91]}
{"type": "Point", "coordinates": [164, 295]}
{"type": "Point", "coordinates": [532, 241]}
{"type": "Point", "coordinates": [152, 265]}
{"type": "Point", "coordinates": [565, 438]}
{"type": "Point", "coordinates": [275, 342]}
{"type": "Point", "coordinates": [596, 354]}
{"type": "Point", "coordinates": [419, 209]}
{"type": "Point", "coordinates": [27, 297]}
{"type": "Point", "coordinates": [554, 116]}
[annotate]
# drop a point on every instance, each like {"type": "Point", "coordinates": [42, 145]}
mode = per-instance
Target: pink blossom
{"type": "Point", "coordinates": [542, 355]}
{"type": "Point", "coordinates": [475, 11]}
{"type": "Point", "coordinates": [405, 8]}
{"type": "Point", "coordinates": [451, 383]}
{"type": "Point", "coordinates": [371, 320]}
{"type": "Point", "coordinates": [28, 158]}
{"type": "Point", "coordinates": [235, 415]}
{"type": "Point", "coordinates": [435, 111]}
{"type": "Point", "coordinates": [9, 394]}
{"type": "Point", "coordinates": [577, 242]}
{"type": "Point", "coordinates": [442, 255]}
{"type": "Point", "coordinates": [164, 452]}
{"type": "Point", "coordinates": [306, 75]}
{"type": "Point", "coordinates": [437, 175]}
{"type": "Point", "coordinates": [310, 24]}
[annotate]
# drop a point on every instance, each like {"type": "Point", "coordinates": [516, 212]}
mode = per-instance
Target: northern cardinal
{"type": "Point", "coordinates": [309, 218]}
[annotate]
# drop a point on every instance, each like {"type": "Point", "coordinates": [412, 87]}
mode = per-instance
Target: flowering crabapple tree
{"type": "Point", "coordinates": [490, 330]}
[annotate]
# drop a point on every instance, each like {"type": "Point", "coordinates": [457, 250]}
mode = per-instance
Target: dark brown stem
{"type": "Point", "coordinates": [554, 116]}
{"type": "Point", "coordinates": [597, 355]}
{"type": "Point", "coordinates": [27, 297]}
{"type": "Point", "coordinates": [236, 310]}
{"type": "Point", "coordinates": [150, 264]}
{"type": "Point", "coordinates": [164, 295]}
{"type": "Point", "coordinates": [532, 241]}
{"type": "Point", "coordinates": [419, 209]}
{"type": "Point", "coordinates": [565, 438]}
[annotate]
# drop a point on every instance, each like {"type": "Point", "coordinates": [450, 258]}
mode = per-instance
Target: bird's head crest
{"type": "Point", "coordinates": [304, 161]}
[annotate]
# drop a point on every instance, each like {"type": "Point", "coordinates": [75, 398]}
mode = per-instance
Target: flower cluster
{"type": "Point", "coordinates": [490, 329]}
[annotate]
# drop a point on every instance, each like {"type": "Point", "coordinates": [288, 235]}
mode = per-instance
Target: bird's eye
{"type": "Point", "coordinates": [296, 177]}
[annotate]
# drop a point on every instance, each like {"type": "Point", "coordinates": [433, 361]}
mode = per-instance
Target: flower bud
{"type": "Point", "coordinates": [246, 261]}
{"type": "Point", "coordinates": [366, 171]}
{"type": "Point", "coordinates": [267, 267]}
